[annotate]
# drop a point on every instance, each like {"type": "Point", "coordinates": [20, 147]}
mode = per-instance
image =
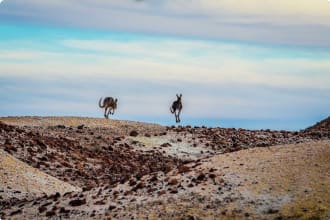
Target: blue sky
{"type": "Point", "coordinates": [250, 64]}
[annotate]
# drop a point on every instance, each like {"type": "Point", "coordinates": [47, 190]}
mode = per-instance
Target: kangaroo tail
{"type": "Point", "coordinates": [101, 106]}
{"type": "Point", "coordinates": [171, 109]}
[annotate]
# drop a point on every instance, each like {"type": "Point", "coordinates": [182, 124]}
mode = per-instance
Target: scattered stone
{"type": "Point", "coordinates": [80, 127]}
{"type": "Point", "coordinates": [133, 133]}
{"type": "Point", "coordinates": [201, 177]}
{"type": "Point", "coordinates": [173, 182]}
{"type": "Point", "coordinates": [19, 211]}
{"type": "Point", "coordinates": [63, 210]}
{"type": "Point", "coordinates": [166, 145]}
{"type": "Point", "coordinates": [112, 207]}
{"type": "Point", "coordinates": [41, 209]}
{"type": "Point", "coordinates": [50, 213]}
{"type": "Point", "coordinates": [271, 211]}
{"type": "Point", "coordinates": [77, 202]}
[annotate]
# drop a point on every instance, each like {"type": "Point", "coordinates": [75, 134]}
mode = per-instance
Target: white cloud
{"type": "Point", "coordinates": [301, 22]}
{"type": "Point", "coordinates": [169, 60]}
{"type": "Point", "coordinates": [280, 11]}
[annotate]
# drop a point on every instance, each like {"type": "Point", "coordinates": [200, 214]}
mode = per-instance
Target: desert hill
{"type": "Point", "coordinates": [133, 170]}
{"type": "Point", "coordinates": [322, 126]}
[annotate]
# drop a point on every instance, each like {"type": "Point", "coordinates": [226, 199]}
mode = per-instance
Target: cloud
{"type": "Point", "coordinates": [171, 60]}
{"type": "Point", "coordinates": [302, 22]}
{"type": "Point", "coordinates": [310, 11]}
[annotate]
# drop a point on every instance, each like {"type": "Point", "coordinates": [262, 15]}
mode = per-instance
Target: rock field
{"type": "Point", "coordinates": [89, 168]}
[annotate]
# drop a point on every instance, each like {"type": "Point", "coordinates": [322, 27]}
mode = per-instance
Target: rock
{"type": "Point", "coordinates": [133, 133]}
{"type": "Point", "coordinates": [112, 207]}
{"type": "Point", "coordinates": [77, 202]}
{"type": "Point", "coordinates": [41, 209]}
{"type": "Point", "coordinates": [153, 178]}
{"type": "Point", "coordinates": [173, 191]}
{"type": "Point", "coordinates": [19, 211]}
{"type": "Point", "coordinates": [212, 175]}
{"type": "Point", "coordinates": [166, 145]}
{"type": "Point", "coordinates": [183, 169]}
{"type": "Point", "coordinates": [190, 217]}
{"type": "Point", "coordinates": [50, 213]}
{"type": "Point", "coordinates": [132, 182]}
{"type": "Point", "coordinates": [55, 196]}
{"type": "Point", "coordinates": [140, 185]}
{"type": "Point", "coordinates": [201, 177]}
{"type": "Point", "coordinates": [63, 210]}
{"type": "Point", "coordinates": [80, 127]}
{"type": "Point", "coordinates": [87, 188]}
{"type": "Point", "coordinates": [173, 182]}
{"type": "Point", "coordinates": [100, 202]}
{"type": "Point", "coordinates": [271, 211]}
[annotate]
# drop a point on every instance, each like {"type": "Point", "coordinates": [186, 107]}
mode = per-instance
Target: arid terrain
{"type": "Point", "coordinates": [90, 168]}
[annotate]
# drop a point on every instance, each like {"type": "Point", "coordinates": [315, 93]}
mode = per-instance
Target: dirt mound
{"type": "Point", "coordinates": [320, 129]}
{"type": "Point", "coordinates": [323, 126]}
{"type": "Point", "coordinates": [80, 165]}
{"type": "Point", "coordinates": [20, 182]}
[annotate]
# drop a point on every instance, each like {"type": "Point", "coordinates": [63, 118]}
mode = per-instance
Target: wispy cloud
{"type": "Point", "coordinates": [172, 60]}
{"type": "Point", "coordinates": [302, 22]}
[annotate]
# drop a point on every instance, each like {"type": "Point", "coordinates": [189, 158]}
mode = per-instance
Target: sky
{"type": "Point", "coordinates": [244, 63]}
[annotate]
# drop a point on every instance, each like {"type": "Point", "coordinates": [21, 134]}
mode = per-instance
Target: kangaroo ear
{"type": "Point", "coordinates": [177, 95]}
{"type": "Point", "coordinates": [180, 95]}
{"type": "Point", "coordinates": [116, 100]}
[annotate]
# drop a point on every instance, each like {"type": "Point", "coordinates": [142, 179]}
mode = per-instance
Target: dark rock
{"type": "Point", "coordinates": [153, 178]}
{"type": "Point", "coordinates": [19, 211]}
{"type": "Point", "coordinates": [132, 182]}
{"type": "Point", "coordinates": [173, 182]}
{"type": "Point", "coordinates": [77, 202]}
{"type": "Point", "coordinates": [173, 191]}
{"type": "Point", "coordinates": [80, 127]}
{"type": "Point", "coordinates": [55, 196]}
{"type": "Point", "coordinates": [87, 188]}
{"type": "Point", "coordinates": [140, 185]}
{"type": "Point", "coordinates": [133, 133]}
{"type": "Point", "coordinates": [166, 145]}
{"type": "Point", "coordinates": [63, 210]}
{"type": "Point", "coordinates": [272, 211]}
{"type": "Point", "coordinates": [112, 207]}
{"type": "Point", "coordinates": [41, 209]}
{"type": "Point", "coordinates": [50, 213]}
{"type": "Point", "coordinates": [212, 175]}
{"type": "Point", "coordinates": [201, 177]}
{"type": "Point", "coordinates": [100, 202]}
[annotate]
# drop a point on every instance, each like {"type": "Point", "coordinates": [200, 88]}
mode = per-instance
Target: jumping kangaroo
{"type": "Point", "coordinates": [109, 104]}
{"type": "Point", "coordinates": [176, 108]}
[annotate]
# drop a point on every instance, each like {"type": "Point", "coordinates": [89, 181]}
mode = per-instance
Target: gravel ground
{"type": "Point", "coordinates": [133, 170]}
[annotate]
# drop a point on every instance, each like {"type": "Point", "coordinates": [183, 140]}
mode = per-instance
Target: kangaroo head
{"type": "Point", "coordinates": [179, 97]}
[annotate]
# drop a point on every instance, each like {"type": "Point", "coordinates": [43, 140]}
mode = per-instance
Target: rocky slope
{"type": "Point", "coordinates": [129, 170]}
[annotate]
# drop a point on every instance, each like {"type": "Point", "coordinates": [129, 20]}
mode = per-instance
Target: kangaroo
{"type": "Point", "coordinates": [109, 104]}
{"type": "Point", "coordinates": [176, 108]}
